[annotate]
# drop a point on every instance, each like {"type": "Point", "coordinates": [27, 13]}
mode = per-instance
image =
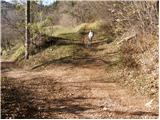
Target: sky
{"type": "Point", "coordinates": [45, 2]}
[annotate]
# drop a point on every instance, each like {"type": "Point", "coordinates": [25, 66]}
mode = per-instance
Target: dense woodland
{"type": "Point", "coordinates": [125, 41]}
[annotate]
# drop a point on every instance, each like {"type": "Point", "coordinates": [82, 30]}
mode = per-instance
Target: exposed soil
{"type": "Point", "coordinates": [69, 92]}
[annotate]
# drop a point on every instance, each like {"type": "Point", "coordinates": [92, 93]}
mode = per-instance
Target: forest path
{"type": "Point", "coordinates": [69, 92]}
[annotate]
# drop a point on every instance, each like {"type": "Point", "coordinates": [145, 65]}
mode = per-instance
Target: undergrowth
{"type": "Point", "coordinates": [140, 61]}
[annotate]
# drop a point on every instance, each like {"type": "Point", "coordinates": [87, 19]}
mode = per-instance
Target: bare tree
{"type": "Point", "coordinates": [27, 33]}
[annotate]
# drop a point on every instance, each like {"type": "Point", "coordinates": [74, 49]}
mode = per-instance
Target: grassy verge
{"type": "Point", "coordinates": [71, 33]}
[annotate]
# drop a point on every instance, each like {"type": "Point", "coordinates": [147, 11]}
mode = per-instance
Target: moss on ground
{"type": "Point", "coordinates": [51, 54]}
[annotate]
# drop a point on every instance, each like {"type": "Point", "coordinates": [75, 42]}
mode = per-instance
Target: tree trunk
{"type": "Point", "coordinates": [27, 33]}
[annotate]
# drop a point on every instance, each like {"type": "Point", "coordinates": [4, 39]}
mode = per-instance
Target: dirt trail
{"type": "Point", "coordinates": [67, 92]}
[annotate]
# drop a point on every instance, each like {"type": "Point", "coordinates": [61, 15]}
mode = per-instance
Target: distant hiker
{"type": "Point", "coordinates": [90, 37]}
{"type": "Point", "coordinates": [83, 37]}
{"type": "Point", "coordinates": [83, 34]}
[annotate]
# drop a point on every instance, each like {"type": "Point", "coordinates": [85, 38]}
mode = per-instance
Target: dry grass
{"type": "Point", "coordinates": [140, 59]}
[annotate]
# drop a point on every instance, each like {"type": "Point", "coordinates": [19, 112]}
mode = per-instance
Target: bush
{"type": "Point", "coordinates": [140, 60]}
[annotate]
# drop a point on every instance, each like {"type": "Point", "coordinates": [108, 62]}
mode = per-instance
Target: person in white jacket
{"type": "Point", "coordinates": [90, 37]}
